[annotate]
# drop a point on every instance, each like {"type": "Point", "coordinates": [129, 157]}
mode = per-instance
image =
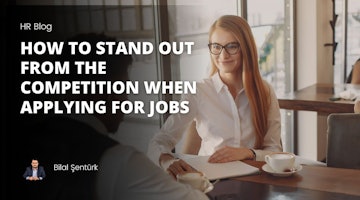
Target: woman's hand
{"type": "Point", "coordinates": [228, 154]}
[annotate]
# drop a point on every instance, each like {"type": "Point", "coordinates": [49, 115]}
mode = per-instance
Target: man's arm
{"type": "Point", "coordinates": [134, 176]}
{"type": "Point", "coordinates": [26, 174]}
{"type": "Point", "coordinates": [41, 173]}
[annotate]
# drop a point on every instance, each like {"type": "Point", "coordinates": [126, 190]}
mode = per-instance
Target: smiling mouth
{"type": "Point", "coordinates": [226, 62]}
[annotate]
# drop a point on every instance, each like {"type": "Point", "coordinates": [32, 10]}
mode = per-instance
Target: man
{"type": "Point", "coordinates": [34, 172]}
{"type": "Point", "coordinates": [71, 142]}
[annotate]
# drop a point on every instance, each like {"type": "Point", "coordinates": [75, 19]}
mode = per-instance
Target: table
{"type": "Point", "coordinates": [316, 98]}
{"type": "Point", "coordinates": [312, 182]}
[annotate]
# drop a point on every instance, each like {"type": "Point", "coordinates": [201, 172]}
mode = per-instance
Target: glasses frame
{"type": "Point", "coordinates": [224, 47]}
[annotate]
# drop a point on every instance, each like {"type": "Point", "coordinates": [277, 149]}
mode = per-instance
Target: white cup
{"type": "Point", "coordinates": [281, 162]}
{"type": "Point", "coordinates": [196, 179]}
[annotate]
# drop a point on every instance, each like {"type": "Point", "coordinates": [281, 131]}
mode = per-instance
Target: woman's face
{"type": "Point", "coordinates": [225, 62]}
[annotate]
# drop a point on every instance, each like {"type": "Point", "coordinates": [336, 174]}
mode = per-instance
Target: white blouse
{"type": "Point", "coordinates": [220, 121]}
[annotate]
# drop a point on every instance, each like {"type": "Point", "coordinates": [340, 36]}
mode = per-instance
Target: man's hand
{"type": "Point", "coordinates": [179, 167]}
{"type": "Point", "coordinates": [174, 166]}
{"type": "Point", "coordinates": [33, 178]}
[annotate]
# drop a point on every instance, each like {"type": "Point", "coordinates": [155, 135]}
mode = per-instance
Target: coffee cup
{"type": "Point", "coordinates": [196, 179]}
{"type": "Point", "coordinates": [281, 162]}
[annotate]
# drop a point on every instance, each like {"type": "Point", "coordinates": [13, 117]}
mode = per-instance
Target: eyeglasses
{"type": "Point", "coordinates": [231, 48]}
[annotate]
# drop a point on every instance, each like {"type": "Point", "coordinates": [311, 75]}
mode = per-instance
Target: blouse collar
{"type": "Point", "coordinates": [219, 84]}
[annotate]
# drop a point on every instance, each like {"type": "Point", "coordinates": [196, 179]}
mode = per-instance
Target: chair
{"type": "Point", "coordinates": [343, 140]}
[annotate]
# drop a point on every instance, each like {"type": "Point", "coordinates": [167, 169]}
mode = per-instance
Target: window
{"type": "Point", "coordinates": [128, 21]}
{"type": "Point", "coordinates": [190, 21]}
{"type": "Point", "coordinates": [125, 18]}
{"type": "Point", "coordinates": [346, 35]}
{"type": "Point", "coordinates": [272, 26]}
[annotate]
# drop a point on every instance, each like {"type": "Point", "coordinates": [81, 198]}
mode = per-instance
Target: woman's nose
{"type": "Point", "coordinates": [224, 53]}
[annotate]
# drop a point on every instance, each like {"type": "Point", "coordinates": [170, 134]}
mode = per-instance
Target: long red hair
{"type": "Point", "coordinates": [256, 90]}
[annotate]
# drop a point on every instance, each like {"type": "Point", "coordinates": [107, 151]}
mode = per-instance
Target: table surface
{"type": "Point", "coordinates": [311, 182]}
{"type": "Point", "coordinates": [317, 98]}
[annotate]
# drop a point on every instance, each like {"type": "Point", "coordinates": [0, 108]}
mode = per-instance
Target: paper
{"type": "Point", "coordinates": [215, 171]}
{"type": "Point", "coordinates": [349, 94]}
{"type": "Point", "coordinates": [304, 161]}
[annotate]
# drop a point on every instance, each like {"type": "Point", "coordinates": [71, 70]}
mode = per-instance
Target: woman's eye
{"type": "Point", "coordinates": [216, 46]}
{"type": "Point", "coordinates": [232, 46]}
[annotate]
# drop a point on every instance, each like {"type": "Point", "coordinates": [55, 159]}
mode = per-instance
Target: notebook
{"type": "Point", "coordinates": [215, 171]}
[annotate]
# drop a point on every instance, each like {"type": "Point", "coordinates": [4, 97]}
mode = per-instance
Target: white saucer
{"type": "Point", "coordinates": [268, 169]}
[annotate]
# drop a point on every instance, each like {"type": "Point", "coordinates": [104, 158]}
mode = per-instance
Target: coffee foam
{"type": "Point", "coordinates": [281, 156]}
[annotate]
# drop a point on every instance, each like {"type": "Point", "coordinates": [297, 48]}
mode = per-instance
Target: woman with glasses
{"type": "Point", "coordinates": [236, 112]}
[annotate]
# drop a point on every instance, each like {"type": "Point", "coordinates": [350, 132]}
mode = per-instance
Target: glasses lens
{"type": "Point", "coordinates": [232, 48]}
{"type": "Point", "coordinates": [215, 48]}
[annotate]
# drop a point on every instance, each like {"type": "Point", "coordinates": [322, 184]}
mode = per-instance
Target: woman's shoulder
{"type": "Point", "coordinates": [267, 85]}
{"type": "Point", "coordinates": [269, 88]}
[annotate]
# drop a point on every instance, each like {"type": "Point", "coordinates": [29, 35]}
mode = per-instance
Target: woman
{"type": "Point", "coordinates": [236, 112]}
{"type": "Point", "coordinates": [355, 78]}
